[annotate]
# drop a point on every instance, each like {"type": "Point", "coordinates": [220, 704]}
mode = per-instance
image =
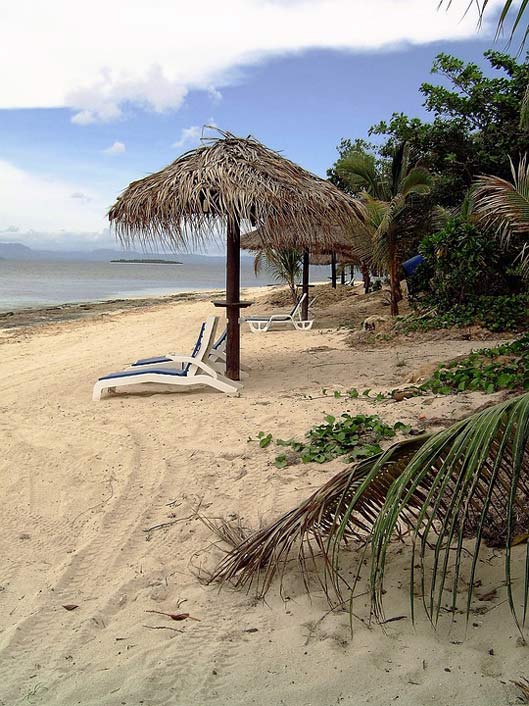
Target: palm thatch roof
{"type": "Point", "coordinates": [323, 259]}
{"type": "Point", "coordinates": [236, 178]}
{"type": "Point", "coordinates": [351, 247]}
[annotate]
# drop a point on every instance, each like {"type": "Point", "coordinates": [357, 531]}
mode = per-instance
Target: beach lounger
{"type": "Point", "coordinates": [260, 324]}
{"type": "Point", "coordinates": [216, 357]}
{"type": "Point", "coordinates": [185, 371]}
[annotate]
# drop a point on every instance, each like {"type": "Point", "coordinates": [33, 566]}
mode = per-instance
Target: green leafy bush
{"type": "Point", "coordinates": [505, 367]}
{"type": "Point", "coordinates": [495, 313]}
{"type": "Point", "coordinates": [462, 263]}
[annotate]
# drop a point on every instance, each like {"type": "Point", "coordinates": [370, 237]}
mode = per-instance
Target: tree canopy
{"type": "Point", "coordinates": [475, 125]}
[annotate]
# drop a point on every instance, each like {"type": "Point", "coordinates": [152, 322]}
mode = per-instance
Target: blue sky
{"type": "Point", "coordinates": [74, 135]}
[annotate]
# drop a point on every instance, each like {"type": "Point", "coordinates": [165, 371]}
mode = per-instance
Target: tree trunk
{"type": "Point", "coordinates": [333, 270]}
{"type": "Point", "coordinates": [305, 286]}
{"type": "Point", "coordinates": [233, 297]}
{"type": "Point", "coordinates": [364, 269]}
{"type": "Point", "coordinates": [394, 283]}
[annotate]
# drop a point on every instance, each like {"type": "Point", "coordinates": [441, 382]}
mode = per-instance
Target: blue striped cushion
{"type": "Point", "coordinates": [134, 373]}
{"type": "Point", "coordinates": [152, 361]}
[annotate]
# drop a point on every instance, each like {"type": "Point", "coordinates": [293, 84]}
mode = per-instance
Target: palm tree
{"type": "Point", "coordinates": [386, 192]}
{"type": "Point", "coordinates": [504, 206]}
{"type": "Point", "coordinates": [284, 265]}
{"type": "Point", "coordinates": [470, 480]}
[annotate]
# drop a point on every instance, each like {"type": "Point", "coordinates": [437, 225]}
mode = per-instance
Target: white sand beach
{"type": "Point", "coordinates": [82, 482]}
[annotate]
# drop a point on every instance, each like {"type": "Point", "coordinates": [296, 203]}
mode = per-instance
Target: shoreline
{"type": "Point", "coordinates": [73, 311]}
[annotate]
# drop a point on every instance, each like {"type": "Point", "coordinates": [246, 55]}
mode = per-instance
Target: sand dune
{"type": "Point", "coordinates": [82, 482]}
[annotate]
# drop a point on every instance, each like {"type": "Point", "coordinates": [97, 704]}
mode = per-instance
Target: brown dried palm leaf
{"type": "Point", "coordinates": [305, 530]}
{"type": "Point", "coordinates": [235, 178]}
{"type": "Point", "coordinates": [469, 480]}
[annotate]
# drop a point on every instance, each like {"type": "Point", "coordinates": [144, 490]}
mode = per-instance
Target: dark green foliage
{"type": "Point", "coordinates": [508, 312]}
{"type": "Point", "coordinates": [505, 367]}
{"type": "Point", "coordinates": [462, 262]}
{"type": "Point", "coordinates": [347, 147]}
{"type": "Point", "coordinates": [467, 279]}
{"type": "Point", "coordinates": [475, 124]}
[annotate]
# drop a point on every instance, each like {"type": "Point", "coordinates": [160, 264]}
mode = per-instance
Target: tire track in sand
{"type": "Point", "coordinates": [31, 641]}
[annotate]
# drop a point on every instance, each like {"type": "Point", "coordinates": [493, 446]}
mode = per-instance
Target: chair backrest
{"type": "Point", "coordinates": [297, 307]}
{"type": "Point", "coordinates": [220, 343]}
{"type": "Point", "coordinates": [204, 341]}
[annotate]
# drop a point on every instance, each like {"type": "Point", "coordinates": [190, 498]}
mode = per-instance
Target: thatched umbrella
{"type": "Point", "coordinates": [227, 181]}
{"type": "Point", "coordinates": [346, 248]}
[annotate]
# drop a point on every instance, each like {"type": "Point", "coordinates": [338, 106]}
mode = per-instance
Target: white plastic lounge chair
{"type": "Point", "coordinates": [260, 324]}
{"type": "Point", "coordinates": [216, 357]}
{"type": "Point", "coordinates": [186, 371]}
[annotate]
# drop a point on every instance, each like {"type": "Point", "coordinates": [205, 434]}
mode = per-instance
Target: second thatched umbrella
{"type": "Point", "coordinates": [352, 248]}
{"type": "Point", "coordinates": [226, 182]}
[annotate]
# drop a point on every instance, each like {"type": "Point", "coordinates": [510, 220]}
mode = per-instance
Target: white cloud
{"type": "Point", "coordinates": [188, 135]}
{"type": "Point", "coordinates": [115, 148]}
{"type": "Point", "coordinates": [42, 203]}
{"type": "Point", "coordinates": [151, 54]}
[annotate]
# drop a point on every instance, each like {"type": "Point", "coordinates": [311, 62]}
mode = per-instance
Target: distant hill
{"type": "Point", "coordinates": [18, 251]}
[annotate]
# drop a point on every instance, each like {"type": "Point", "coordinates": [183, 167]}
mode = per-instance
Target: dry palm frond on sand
{"type": "Point", "coordinates": [470, 480]}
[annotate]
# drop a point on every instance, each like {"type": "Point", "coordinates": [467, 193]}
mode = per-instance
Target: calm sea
{"type": "Point", "coordinates": [34, 284]}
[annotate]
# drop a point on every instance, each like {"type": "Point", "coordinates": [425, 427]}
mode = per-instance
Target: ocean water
{"type": "Point", "coordinates": [41, 283]}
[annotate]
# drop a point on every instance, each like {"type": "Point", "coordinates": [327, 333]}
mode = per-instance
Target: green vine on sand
{"type": "Point", "coordinates": [355, 437]}
{"type": "Point", "coordinates": [505, 367]}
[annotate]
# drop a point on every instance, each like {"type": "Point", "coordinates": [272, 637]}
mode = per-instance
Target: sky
{"type": "Point", "coordinates": [99, 94]}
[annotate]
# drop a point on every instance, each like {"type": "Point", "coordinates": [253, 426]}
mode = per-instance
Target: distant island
{"type": "Point", "coordinates": [152, 262]}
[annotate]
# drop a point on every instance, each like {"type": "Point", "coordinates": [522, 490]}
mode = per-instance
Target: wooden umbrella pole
{"type": "Point", "coordinates": [233, 297]}
{"type": "Point", "coordinates": [333, 270]}
{"type": "Point", "coordinates": [305, 286]}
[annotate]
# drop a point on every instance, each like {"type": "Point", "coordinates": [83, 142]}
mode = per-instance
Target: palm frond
{"type": "Point", "coordinates": [504, 205]}
{"type": "Point", "coordinates": [524, 110]}
{"type": "Point", "coordinates": [468, 481]}
{"type": "Point", "coordinates": [284, 266]}
{"type": "Point", "coordinates": [306, 529]}
{"type": "Point", "coordinates": [359, 171]}
{"type": "Point", "coordinates": [259, 262]}
{"type": "Point", "coordinates": [416, 181]}
{"type": "Point", "coordinates": [385, 215]}
{"type": "Point", "coordinates": [511, 10]}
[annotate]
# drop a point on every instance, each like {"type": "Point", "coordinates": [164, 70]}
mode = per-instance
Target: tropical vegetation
{"type": "Point", "coordinates": [467, 211]}
{"type": "Point", "coordinates": [386, 188]}
{"type": "Point", "coordinates": [454, 189]}
{"type": "Point", "coordinates": [284, 266]}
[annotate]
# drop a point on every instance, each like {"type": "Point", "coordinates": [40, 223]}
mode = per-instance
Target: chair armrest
{"type": "Point", "coordinates": [204, 366]}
